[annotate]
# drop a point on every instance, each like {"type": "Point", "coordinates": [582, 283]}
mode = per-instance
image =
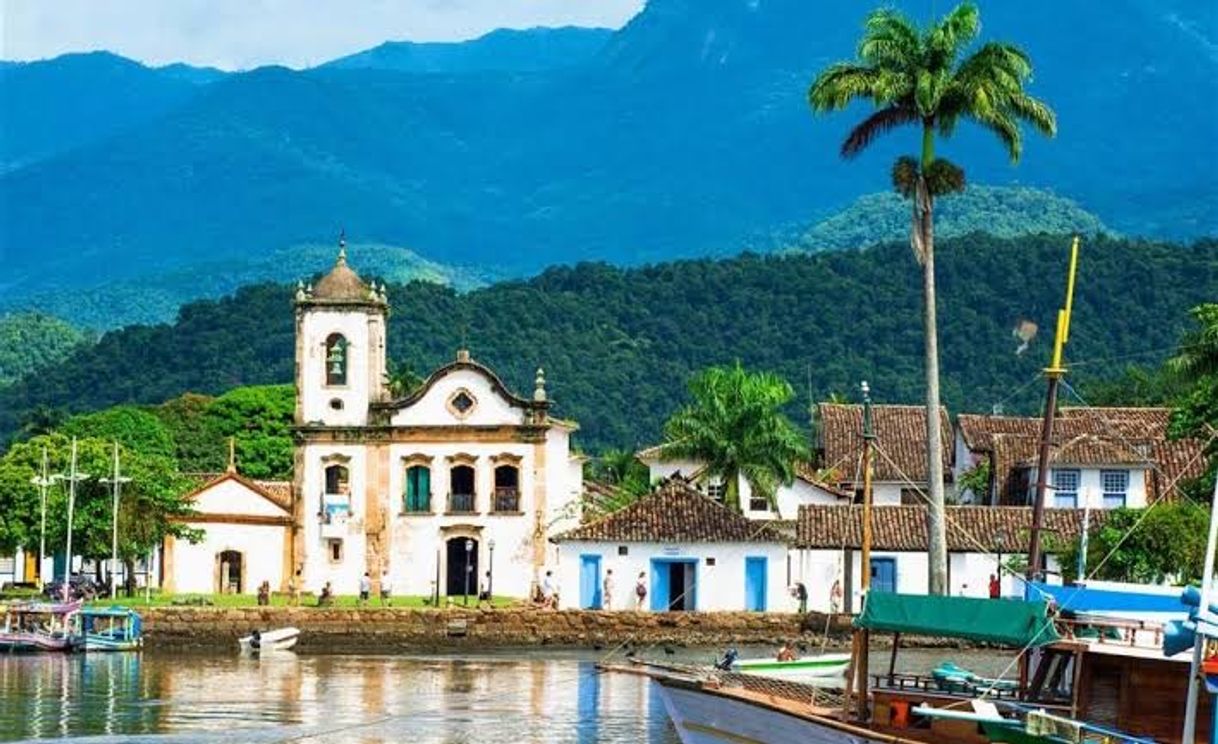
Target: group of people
{"type": "Point", "coordinates": [365, 589]}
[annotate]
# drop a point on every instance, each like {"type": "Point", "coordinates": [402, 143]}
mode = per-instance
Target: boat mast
{"type": "Point", "coordinates": [863, 639]}
{"type": "Point", "coordinates": [73, 478]}
{"type": "Point", "coordinates": [116, 481]}
{"type": "Point", "coordinates": [1054, 372]}
{"type": "Point", "coordinates": [1194, 674]}
{"type": "Point", "coordinates": [43, 481]}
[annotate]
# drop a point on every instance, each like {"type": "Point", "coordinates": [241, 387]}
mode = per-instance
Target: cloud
{"type": "Point", "coordinates": [240, 34]}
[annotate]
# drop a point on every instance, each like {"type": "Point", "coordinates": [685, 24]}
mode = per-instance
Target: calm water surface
{"type": "Point", "coordinates": [497, 696]}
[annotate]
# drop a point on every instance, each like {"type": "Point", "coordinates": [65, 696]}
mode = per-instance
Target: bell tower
{"type": "Point", "coordinates": [340, 347]}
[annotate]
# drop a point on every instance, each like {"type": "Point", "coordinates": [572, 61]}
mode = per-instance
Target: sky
{"type": "Point", "coordinates": [241, 34]}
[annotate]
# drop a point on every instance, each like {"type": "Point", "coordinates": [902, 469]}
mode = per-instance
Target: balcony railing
{"type": "Point", "coordinates": [334, 515]}
{"type": "Point", "coordinates": [420, 504]}
{"type": "Point", "coordinates": [461, 503]}
{"type": "Point", "coordinates": [507, 500]}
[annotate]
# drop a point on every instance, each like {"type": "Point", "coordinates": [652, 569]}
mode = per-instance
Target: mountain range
{"type": "Point", "coordinates": [681, 134]}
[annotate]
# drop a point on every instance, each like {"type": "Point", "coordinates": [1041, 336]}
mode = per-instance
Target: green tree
{"type": "Point", "coordinates": [735, 425]}
{"type": "Point", "coordinates": [148, 507]}
{"type": "Point", "coordinates": [134, 428]}
{"type": "Point", "coordinates": [1195, 366]}
{"type": "Point", "coordinates": [402, 380]}
{"type": "Point", "coordinates": [1169, 542]}
{"type": "Point", "coordinates": [260, 418]}
{"type": "Point", "coordinates": [622, 470]}
{"type": "Point", "coordinates": [918, 77]}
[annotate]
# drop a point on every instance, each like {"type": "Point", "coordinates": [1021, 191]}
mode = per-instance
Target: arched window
{"type": "Point", "coordinates": [461, 493]}
{"type": "Point", "coordinates": [418, 488]}
{"type": "Point", "coordinates": [336, 480]}
{"type": "Point", "coordinates": [507, 488]}
{"type": "Point", "coordinates": [336, 502]}
{"type": "Point", "coordinates": [336, 359]}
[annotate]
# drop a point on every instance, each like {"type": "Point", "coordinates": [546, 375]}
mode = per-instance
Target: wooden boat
{"type": "Point", "coordinates": [38, 626]}
{"type": "Point", "coordinates": [258, 642]}
{"type": "Point", "coordinates": [108, 629]}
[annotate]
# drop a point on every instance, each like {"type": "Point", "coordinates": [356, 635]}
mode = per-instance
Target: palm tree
{"type": "Point", "coordinates": [919, 76]}
{"type": "Point", "coordinates": [735, 426]}
{"type": "Point", "coordinates": [1198, 355]}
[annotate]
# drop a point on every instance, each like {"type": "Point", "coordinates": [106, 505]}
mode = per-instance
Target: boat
{"type": "Point", "coordinates": [819, 667]}
{"type": "Point", "coordinates": [260, 642]}
{"type": "Point", "coordinates": [108, 629]}
{"type": "Point", "coordinates": [39, 626]}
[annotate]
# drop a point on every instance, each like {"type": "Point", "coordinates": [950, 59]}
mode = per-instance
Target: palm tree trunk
{"type": "Point", "coordinates": [925, 232]}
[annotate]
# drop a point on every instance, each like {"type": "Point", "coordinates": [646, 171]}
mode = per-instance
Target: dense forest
{"type": "Point", "coordinates": [619, 345]}
{"type": "Point", "coordinates": [30, 341]}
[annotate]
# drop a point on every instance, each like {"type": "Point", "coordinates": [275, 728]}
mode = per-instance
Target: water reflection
{"type": "Point", "coordinates": [327, 698]}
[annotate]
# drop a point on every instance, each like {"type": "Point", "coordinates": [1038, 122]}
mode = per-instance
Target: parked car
{"type": "Point", "coordinates": [83, 587]}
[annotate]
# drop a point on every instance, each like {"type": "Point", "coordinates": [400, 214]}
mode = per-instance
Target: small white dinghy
{"type": "Point", "coordinates": [280, 639]}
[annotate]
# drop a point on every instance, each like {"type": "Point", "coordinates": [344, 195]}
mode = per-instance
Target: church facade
{"type": "Point", "coordinates": [456, 483]}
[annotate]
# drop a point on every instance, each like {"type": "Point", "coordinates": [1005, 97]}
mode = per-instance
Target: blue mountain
{"type": "Point", "coordinates": [502, 50]}
{"type": "Point", "coordinates": [680, 134]}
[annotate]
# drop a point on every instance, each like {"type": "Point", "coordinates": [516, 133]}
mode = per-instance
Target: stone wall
{"type": "Point", "coordinates": [339, 629]}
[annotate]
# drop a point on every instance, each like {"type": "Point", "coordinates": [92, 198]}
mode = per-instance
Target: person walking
{"type": "Point", "coordinates": [484, 591]}
{"type": "Point", "coordinates": [607, 591]}
{"type": "Point", "coordinates": [801, 593]}
{"type": "Point", "coordinates": [365, 589]}
{"type": "Point", "coordinates": [386, 589]}
{"type": "Point", "coordinates": [549, 591]}
{"type": "Point", "coordinates": [640, 591]}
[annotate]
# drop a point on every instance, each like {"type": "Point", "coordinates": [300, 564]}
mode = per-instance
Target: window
{"type": "Point", "coordinates": [334, 550]}
{"type": "Point", "coordinates": [759, 503]}
{"type": "Point", "coordinates": [507, 489]}
{"type": "Point", "coordinates": [623, 550]}
{"type": "Point", "coordinates": [336, 404]}
{"type": "Point", "coordinates": [336, 502]}
{"type": "Point", "coordinates": [710, 561]}
{"type": "Point", "coordinates": [911, 497]}
{"type": "Point", "coordinates": [336, 480]}
{"type": "Point", "coordinates": [336, 360]}
{"type": "Point", "coordinates": [1115, 484]}
{"type": "Point", "coordinates": [461, 489]}
{"type": "Point", "coordinates": [418, 489]}
{"type": "Point", "coordinates": [715, 491]}
{"type": "Point", "coordinates": [1065, 489]}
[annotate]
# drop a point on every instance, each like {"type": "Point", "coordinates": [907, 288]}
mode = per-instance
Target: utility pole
{"type": "Point", "coordinates": [116, 481]}
{"type": "Point", "coordinates": [864, 639]}
{"type": "Point", "coordinates": [73, 478]}
{"type": "Point", "coordinates": [1054, 373]}
{"type": "Point", "coordinates": [43, 481]}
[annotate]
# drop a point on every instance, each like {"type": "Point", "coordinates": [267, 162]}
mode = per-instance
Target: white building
{"type": "Point", "coordinates": [1102, 458]}
{"type": "Point", "coordinates": [459, 478]}
{"type": "Point", "coordinates": [247, 538]}
{"type": "Point", "coordinates": [692, 552]}
{"type": "Point", "coordinates": [829, 540]}
{"type": "Point", "coordinates": [804, 489]}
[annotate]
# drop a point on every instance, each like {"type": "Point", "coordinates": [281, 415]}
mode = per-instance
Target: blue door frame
{"type": "Point", "coordinates": [883, 574]}
{"type": "Point", "coordinates": [590, 581]}
{"type": "Point", "coordinates": [755, 570]}
{"type": "Point", "coordinates": [661, 586]}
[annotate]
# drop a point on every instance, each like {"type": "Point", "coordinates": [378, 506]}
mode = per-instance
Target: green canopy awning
{"type": "Point", "coordinates": [1003, 621]}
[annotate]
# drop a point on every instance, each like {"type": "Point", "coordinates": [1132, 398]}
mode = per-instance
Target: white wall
{"type": "Point", "coordinates": [364, 334]}
{"type": "Point", "coordinates": [233, 497]}
{"type": "Point", "coordinates": [788, 498]}
{"type": "Point", "coordinates": [432, 409]}
{"type": "Point", "coordinates": [719, 587]}
{"type": "Point", "coordinates": [1091, 493]}
{"type": "Point", "coordinates": [261, 548]}
{"type": "Point", "coordinates": [318, 568]}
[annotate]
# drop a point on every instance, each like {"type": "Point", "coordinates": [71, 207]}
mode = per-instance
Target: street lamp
{"type": "Point", "coordinates": [116, 481]}
{"type": "Point", "coordinates": [469, 549]}
{"type": "Point", "coordinates": [1000, 541]}
{"type": "Point", "coordinates": [73, 477]}
{"type": "Point", "coordinates": [490, 572]}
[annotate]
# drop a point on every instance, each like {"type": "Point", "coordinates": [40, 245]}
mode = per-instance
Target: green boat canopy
{"type": "Point", "coordinates": [1002, 621]}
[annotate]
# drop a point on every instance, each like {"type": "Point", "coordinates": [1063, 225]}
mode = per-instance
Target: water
{"type": "Point", "coordinates": [491, 696]}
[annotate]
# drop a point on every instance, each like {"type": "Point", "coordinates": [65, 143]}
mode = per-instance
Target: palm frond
{"type": "Point", "coordinates": [840, 84]}
{"type": "Point", "coordinates": [952, 34]}
{"type": "Point", "coordinates": [1006, 129]}
{"type": "Point", "coordinates": [944, 177]}
{"type": "Point", "coordinates": [1035, 112]}
{"type": "Point", "coordinates": [905, 175]}
{"type": "Point", "coordinates": [890, 40]}
{"type": "Point", "coordinates": [880, 122]}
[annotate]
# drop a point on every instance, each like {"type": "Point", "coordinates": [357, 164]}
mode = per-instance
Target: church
{"type": "Point", "coordinates": [458, 482]}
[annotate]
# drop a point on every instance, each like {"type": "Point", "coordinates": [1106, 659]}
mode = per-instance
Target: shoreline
{"type": "Point", "coordinates": [398, 629]}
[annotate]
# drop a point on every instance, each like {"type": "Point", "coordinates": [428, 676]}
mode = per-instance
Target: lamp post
{"type": "Point", "coordinates": [469, 549]}
{"type": "Point", "coordinates": [1000, 541]}
{"type": "Point", "coordinates": [43, 481]}
{"type": "Point", "coordinates": [490, 572]}
{"type": "Point", "coordinates": [116, 481]}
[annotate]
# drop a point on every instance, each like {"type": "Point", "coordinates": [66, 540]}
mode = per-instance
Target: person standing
{"type": "Point", "coordinates": [640, 591]}
{"type": "Point", "coordinates": [995, 587]}
{"type": "Point", "coordinates": [801, 593]}
{"type": "Point", "coordinates": [607, 591]}
{"type": "Point", "coordinates": [835, 597]}
{"type": "Point", "coordinates": [386, 589]}
{"type": "Point", "coordinates": [484, 592]}
{"type": "Point", "coordinates": [548, 598]}
{"type": "Point", "coordinates": [365, 588]}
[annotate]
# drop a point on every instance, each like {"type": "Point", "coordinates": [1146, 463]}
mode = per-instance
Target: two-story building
{"type": "Point", "coordinates": [1100, 458]}
{"type": "Point", "coordinates": [458, 482]}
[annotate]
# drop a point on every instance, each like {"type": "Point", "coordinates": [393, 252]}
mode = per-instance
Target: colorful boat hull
{"type": "Point", "coordinates": [99, 629]}
{"type": "Point", "coordinates": [811, 668]}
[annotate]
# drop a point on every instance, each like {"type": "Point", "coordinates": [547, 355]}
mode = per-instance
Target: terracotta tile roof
{"type": "Point", "coordinates": [900, 432]}
{"type": "Point", "coordinates": [278, 492]}
{"type": "Point", "coordinates": [903, 528]}
{"type": "Point", "coordinates": [674, 513]}
{"type": "Point", "coordinates": [1131, 437]}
